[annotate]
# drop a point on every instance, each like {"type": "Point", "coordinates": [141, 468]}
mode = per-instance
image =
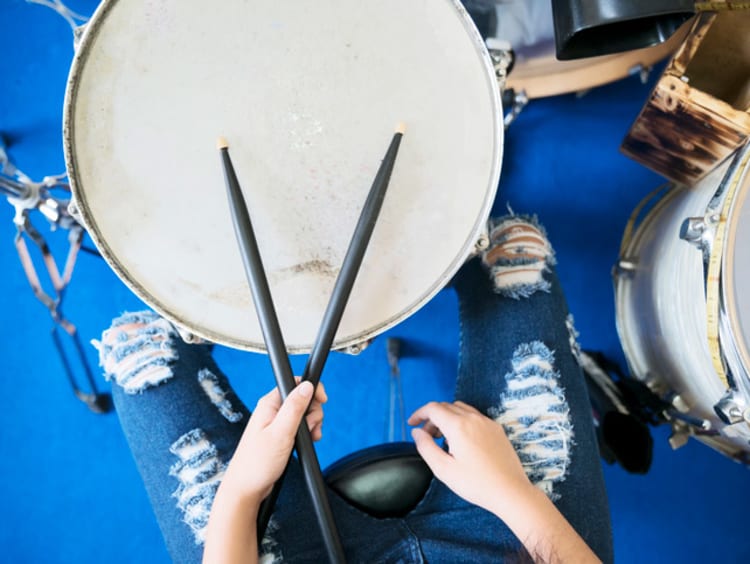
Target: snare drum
{"type": "Point", "coordinates": [682, 314]}
{"type": "Point", "coordinates": [307, 97]}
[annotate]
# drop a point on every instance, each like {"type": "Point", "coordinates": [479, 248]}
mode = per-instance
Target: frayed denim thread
{"type": "Point", "coordinates": [535, 415]}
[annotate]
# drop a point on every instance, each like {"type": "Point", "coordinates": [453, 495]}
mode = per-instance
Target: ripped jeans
{"type": "Point", "coordinates": [518, 364]}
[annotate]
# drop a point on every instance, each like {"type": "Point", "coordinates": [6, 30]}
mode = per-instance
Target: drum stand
{"type": "Point", "coordinates": [26, 196]}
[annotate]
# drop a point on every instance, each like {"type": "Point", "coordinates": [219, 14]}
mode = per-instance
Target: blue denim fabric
{"type": "Point", "coordinates": [443, 527]}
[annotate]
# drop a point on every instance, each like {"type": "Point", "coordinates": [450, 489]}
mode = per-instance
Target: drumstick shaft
{"type": "Point", "coordinates": [352, 261]}
{"type": "Point", "coordinates": [277, 353]}
{"type": "Point", "coordinates": [341, 290]}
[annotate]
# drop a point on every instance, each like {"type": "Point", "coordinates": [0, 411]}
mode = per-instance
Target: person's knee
{"type": "Point", "coordinates": [137, 351]}
{"type": "Point", "coordinates": [518, 256]}
{"type": "Point", "coordinates": [535, 414]}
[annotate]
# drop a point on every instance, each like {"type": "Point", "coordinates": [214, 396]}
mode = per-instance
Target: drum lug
{"type": "Point", "coordinates": [624, 267]}
{"type": "Point", "coordinates": [188, 337]}
{"type": "Point", "coordinates": [731, 408]}
{"type": "Point", "coordinates": [502, 57]}
{"type": "Point", "coordinates": [356, 348]}
{"type": "Point", "coordinates": [483, 242]}
{"type": "Point", "coordinates": [74, 212]}
{"type": "Point", "coordinates": [693, 231]}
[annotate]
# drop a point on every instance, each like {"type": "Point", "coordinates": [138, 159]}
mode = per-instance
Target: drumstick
{"type": "Point", "coordinates": [341, 290]}
{"type": "Point", "coordinates": [273, 338]}
{"type": "Point", "coordinates": [352, 262]}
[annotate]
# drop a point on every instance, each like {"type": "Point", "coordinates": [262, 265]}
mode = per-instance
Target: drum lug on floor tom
{"type": "Point", "coordinates": [624, 267]}
{"type": "Point", "coordinates": [731, 408]}
{"type": "Point", "coordinates": [693, 230]}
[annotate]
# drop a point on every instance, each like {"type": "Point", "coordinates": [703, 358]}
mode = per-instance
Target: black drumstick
{"type": "Point", "coordinates": [341, 290]}
{"type": "Point", "coordinates": [352, 262]}
{"type": "Point", "coordinates": [277, 352]}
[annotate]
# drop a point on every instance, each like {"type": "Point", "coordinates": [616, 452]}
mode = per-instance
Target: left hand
{"type": "Point", "coordinates": [268, 439]}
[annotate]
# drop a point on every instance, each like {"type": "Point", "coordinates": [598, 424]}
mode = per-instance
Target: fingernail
{"type": "Point", "coordinates": [305, 389]}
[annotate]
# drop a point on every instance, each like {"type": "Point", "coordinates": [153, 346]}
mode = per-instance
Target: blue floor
{"type": "Point", "coordinates": [69, 489]}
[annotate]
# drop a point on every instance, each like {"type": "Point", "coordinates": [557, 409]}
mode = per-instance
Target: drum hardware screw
{"type": "Point", "coordinates": [715, 218]}
{"type": "Point", "coordinates": [729, 409]}
{"type": "Point", "coordinates": [483, 243]}
{"type": "Point", "coordinates": [643, 72]}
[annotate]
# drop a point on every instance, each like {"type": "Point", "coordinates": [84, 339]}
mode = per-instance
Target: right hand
{"type": "Point", "coordinates": [266, 444]}
{"type": "Point", "coordinates": [481, 465]}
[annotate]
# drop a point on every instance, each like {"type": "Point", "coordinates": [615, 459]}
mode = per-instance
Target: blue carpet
{"type": "Point", "coordinates": [69, 488]}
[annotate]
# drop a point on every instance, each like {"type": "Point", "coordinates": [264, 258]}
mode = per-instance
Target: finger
{"type": "Point", "coordinates": [432, 429]}
{"type": "Point", "coordinates": [292, 410]}
{"type": "Point", "coordinates": [320, 393]}
{"type": "Point", "coordinates": [320, 390]}
{"type": "Point", "coordinates": [317, 432]}
{"type": "Point", "coordinates": [466, 408]}
{"type": "Point", "coordinates": [266, 408]}
{"type": "Point", "coordinates": [440, 414]}
{"type": "Point", "coordinates": [314, 418]}
{"type": "Point", "coordinates": [435, 457]}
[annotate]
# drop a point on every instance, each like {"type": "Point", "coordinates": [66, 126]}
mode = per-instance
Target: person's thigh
{"type": "Point", "coordinates": [518, 365]}
{"type": "Point", "coordinates": [181, 420]}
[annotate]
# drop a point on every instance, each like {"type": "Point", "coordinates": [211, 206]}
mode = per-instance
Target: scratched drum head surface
{"type": "Point", "coordinates": [307, 95]}
{"type": "Point", "coordinates": [528, 26]}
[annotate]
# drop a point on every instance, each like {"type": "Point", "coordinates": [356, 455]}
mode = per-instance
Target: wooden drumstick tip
{"type": "Point", "coordinates": [221, 143]}
{"type": "Point", "coordinates": [400, 128]}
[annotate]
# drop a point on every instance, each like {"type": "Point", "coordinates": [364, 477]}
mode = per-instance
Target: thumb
{"type": "Point", "coordinates": [293, 409]}
{"type": "Point", "coordinates": [435, 457]}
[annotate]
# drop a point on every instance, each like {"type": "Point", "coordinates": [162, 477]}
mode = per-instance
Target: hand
{"type": "Point", "coordinates": [481, 465]}
{"type": "Point", "coordinates": [268, 439]}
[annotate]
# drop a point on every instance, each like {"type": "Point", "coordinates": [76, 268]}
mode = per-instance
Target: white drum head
{"type": "Point", "coordinates": [307, 95]}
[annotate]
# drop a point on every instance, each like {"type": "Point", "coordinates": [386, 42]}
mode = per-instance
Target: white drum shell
{"type": "Point", "coordinates": [661, 311]}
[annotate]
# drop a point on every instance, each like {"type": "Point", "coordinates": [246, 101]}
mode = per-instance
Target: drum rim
{"type": "Point", "coordinates": [622, 287]}
{"type": "Point", "coordinates": [354, 342]}
{"type": "Point", "coordinates": [728, 285]}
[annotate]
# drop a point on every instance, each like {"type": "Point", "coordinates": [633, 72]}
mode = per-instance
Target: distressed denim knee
{"type": "Point", "coordinates": [137, 350]}
{"type": "Point", "coordinates": [535, 414]}
{"type": "Point", "coordinates": [518, 256]}
{"type": "Point", "coordinates": [172, 393]}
